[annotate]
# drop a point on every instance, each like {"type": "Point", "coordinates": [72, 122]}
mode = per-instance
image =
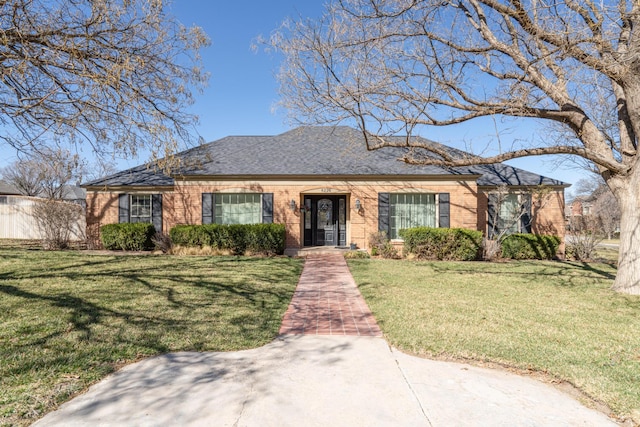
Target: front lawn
{"type": "Point", "coordinates": [558, 318]}
{"type": "Point", "coordinates": [67, 319]}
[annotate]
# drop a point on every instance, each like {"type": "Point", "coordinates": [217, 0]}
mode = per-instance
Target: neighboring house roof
{"type": "Point", "coordinates": [314, 152]}
{"type": "Point", "coordinates": [69, 192]}
{"type": "Point", "coordinates": [8, 189]}
{"type": "Point", "coordinates": [73, 192]}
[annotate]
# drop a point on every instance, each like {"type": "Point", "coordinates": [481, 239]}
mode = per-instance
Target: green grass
{"type": "Point", "coordinates": [559, 318]}
{"type": "Point", "coordinates": [67, 319]}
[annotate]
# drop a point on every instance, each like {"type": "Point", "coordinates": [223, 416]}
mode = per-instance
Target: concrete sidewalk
{"type": "Point", "coordinates": [309, 380]}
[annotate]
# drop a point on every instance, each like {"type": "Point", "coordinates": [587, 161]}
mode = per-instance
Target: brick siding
{"type": "Point", "coordinates": [183, 204]}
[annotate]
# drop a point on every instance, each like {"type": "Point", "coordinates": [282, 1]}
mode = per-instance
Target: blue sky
{"type": "Point", "coordinates": [242, 89]}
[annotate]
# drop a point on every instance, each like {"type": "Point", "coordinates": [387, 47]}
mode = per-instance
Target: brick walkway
{"type": "Point", "coordinates": [327, 302]}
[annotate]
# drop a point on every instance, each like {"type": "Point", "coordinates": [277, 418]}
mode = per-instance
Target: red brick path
{"type": "Point", "coordinates": [327, 302]}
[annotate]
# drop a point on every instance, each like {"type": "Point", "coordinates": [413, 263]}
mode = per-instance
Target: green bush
{"type": "Point", "coordinates": [530, 246]}
{"type": "Point", "coordinates": [189, 235]}
{"type": "Point", "coordinates": [449, 244]}
{"type": "Point", "coordinates": [127, 237]}
{"type": "Point", "coordinates": [265, 239]}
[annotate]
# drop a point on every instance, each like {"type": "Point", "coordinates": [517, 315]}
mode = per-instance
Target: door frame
{"type": "Point", "coordinates": [340, 230]}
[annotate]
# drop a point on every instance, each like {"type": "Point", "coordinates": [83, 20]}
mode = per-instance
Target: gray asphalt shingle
{"type": "Point", "coordinates": [319, 152]}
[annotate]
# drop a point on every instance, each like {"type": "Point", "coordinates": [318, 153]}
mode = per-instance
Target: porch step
{"type": "Point", "coordinates": [316, 250]}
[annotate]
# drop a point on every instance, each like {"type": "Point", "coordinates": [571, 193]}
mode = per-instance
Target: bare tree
{"type": "Point", "coordinates": [583, 237]}
{"type": "Point", "coordinates": [59, 223]}
{"type": "Point", "coordinates": [113, 74]}
{"type": "Point", "coordinates": [45, 173]}
{"type": "Point", "coordinates": [606, 209]}
{"type": "Point", "coordinates": [60, 168]}
{"type": "Point", "coordinates": [397, 66]}
{"type": "Point", "coordinates": [25, 175]}
{"type": "Point", "coordinates": [588, 187]}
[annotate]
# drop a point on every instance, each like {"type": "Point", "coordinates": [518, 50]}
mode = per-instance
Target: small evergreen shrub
{"type": "Point", "coordinates": [530, 246]}
{"type": "Point", "coordinates": [264, 239]}
{"type": "Point", "coordinates": [447, 244]}
{"type": "Point", "coordinates": [127, 237]}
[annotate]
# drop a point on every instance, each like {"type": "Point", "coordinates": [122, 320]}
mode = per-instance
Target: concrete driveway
{"type": "Point", "coordinates": [307, 380]}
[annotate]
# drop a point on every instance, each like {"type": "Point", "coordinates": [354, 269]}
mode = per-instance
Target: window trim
{"type": "Point", "coordinates": [220, 215]}
{"type": "Point", "coordinates": [131, 205]}
{"type": "Point", "coordinates": [208, 207]}
{"type": "Point", "coordinates": [442, 211]}
{"type": "Point", "coordinates": [436, 212]}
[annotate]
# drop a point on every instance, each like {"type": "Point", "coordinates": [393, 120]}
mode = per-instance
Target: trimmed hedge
{"type": "Point", "coordinates": [266, 239]}
{"type": "Point", "coordinates": [127, 236]}
{"type": "Point", "coordinates": [448, 244]}
{"type": "Point", "coordinates": [530, 246]}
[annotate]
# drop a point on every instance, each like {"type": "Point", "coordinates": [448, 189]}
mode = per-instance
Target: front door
{"type": "Point", "coordinates": [325, 221]}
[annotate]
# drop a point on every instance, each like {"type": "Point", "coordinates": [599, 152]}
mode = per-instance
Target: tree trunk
{"type": "Point", "coordinates": [628, 276]}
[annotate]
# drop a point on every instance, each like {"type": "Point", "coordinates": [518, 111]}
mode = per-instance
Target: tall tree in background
{"type": "Point", "coordinates": [25, 175]}
{"type": "Point", "coordinates": [45, 174]}
{"type": "Point", "coordinates": [113, 74]}
{"type": "Point", "coordinates": [397, 66]}
{"type": "Point", "coordinates": [48, 175]}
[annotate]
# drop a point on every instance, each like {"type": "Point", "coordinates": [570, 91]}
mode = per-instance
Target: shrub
{"type": "Point", "coordinates": [530, 246]}
{"type": "Point", "coordinates": [128, 237]}
{"type": "Point", "coordinates": [189, 235]}
{"type": "Point", "coordinates": [583, 238]}
{"type": "Point", "coordinates": [58, 222]}
{"type": "Point", "coordinates": [162, 242]}
{"type": "Point", "coordinates": [265, 239]}
{"type": "Point", "coordinates": [382, 246]}
{"type": "Point", "coordinates": [449, 244]}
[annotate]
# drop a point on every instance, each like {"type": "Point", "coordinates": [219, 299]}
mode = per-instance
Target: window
{"type": "Point", "coordinates": [411, 210]}
{"type": "Point", "coordinates": [145, 208]}
{"type": "Point", "coordinates": [140, 208]}
{"type": "Point", "coordinates": [237, 208]}
{"type": "Point", "coordinates": [4, 200]}
{"type": "Point", "coordinates": [508, 213]}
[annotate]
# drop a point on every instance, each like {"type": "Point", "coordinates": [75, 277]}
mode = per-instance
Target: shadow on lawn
{"type": "Point", "coordinates": [116, 303]}
{"type": "Point", "coordinates": [591, 267]}
{"type": "Point", "coordinates": [562, 271]}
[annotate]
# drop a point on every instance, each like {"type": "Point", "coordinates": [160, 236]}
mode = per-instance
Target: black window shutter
{"type": "Point", "coordinates": [443, 208]}
{"type": "Point", "coordinates": [207, 208]}
{"type": "Point", "coordinates": [492, 206]}
{"type": "Point", "coordinates": [123, 208]}
{"type": "Point", "coordinates": [156, 211]}
{"type": "Point", "coordinates": [267, 208]}
{"type": "Point", "coordinates": [383, 213]}
{"type": "Point", "coordinates": [525, 219]}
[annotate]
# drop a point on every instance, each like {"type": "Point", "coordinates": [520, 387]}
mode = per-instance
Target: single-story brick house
{"type": "Point", "coordinates": [323, 184]}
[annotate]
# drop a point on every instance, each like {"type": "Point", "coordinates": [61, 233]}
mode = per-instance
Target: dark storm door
{"type": "Point", "coordinates": [325, 222]}
{"type": "Point", "coordinates": [326, 227]}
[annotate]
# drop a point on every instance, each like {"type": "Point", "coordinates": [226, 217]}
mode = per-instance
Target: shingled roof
{"type": "Point", "coordinates": [319, 152]}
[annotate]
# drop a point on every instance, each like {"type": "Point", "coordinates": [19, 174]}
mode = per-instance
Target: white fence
{"type": "Point", "coordinates": [17, 219]}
